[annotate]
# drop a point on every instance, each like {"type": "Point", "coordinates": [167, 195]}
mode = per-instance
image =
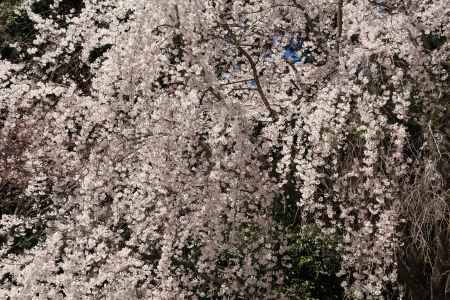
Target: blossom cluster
{"type": "Point", "coordinates": [144, 172]}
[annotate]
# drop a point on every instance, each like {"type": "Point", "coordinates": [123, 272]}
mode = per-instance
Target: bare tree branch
{"type": "Point", "coordinates": [252, 63]}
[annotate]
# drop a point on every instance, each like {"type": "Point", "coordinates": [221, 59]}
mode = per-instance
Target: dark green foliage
{"type": "Point", "coordinates": [175, 52]}
{"type": "Point", "coordinates": [416, 138]}
{"type": "Point", "coordinates": [27, 239]}
{"type": "Point", "coordinates": [433, 41]}
{"type": "Point", "coordinates": [98, 52]}
{"type": "Point", "coordinates": [312, 266]}
{"type": "Point", "coordinates": [11, 195]}
{"type": "Point", "coordinates": [6, 9]}
{"type": "Point", "coordinates": [285, 206]}
{"type": "Point", "coordinates": [7, 52]}
{"type": "Point", "coordinates": [13, 28]}
{"type": "Point", "coordinates": [19, 28]}
{"type": "Point", "coordinates": [42, 7]}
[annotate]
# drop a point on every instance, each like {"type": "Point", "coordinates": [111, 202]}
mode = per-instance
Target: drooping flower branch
{"type": "Point", "coordinates": [175, 149]}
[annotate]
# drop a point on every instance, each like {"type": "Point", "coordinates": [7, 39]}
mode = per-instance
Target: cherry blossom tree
{"type": "Point", "coordinates": [170, 149]}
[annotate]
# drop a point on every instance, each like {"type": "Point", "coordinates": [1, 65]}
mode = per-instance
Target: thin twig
{"type": "Point", "coordinates": [434, 139]}
{"type": "Point", "coordinates": [215, 94]}
{"type": "Point", "coordinates": [236, 82]}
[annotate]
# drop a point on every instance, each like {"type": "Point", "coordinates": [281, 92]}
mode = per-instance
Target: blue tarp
{"type": "Point", "coordinates": [293, 53]}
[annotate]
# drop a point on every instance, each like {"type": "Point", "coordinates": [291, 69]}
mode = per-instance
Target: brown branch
{"type": "Point", "coordinates": [257, 81]}
{"type": "Point", "coordinates": [177, 16]}
{"type": "Point", "coordinates": [254, 71]}
{"type": "Point", "coordinates": [215, 94]}
{"type": "Point", "coordinates": [339, 25]}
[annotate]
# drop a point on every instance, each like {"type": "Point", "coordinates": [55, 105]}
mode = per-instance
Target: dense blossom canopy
{"type": "Point", "coordinates": [166, 148]}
